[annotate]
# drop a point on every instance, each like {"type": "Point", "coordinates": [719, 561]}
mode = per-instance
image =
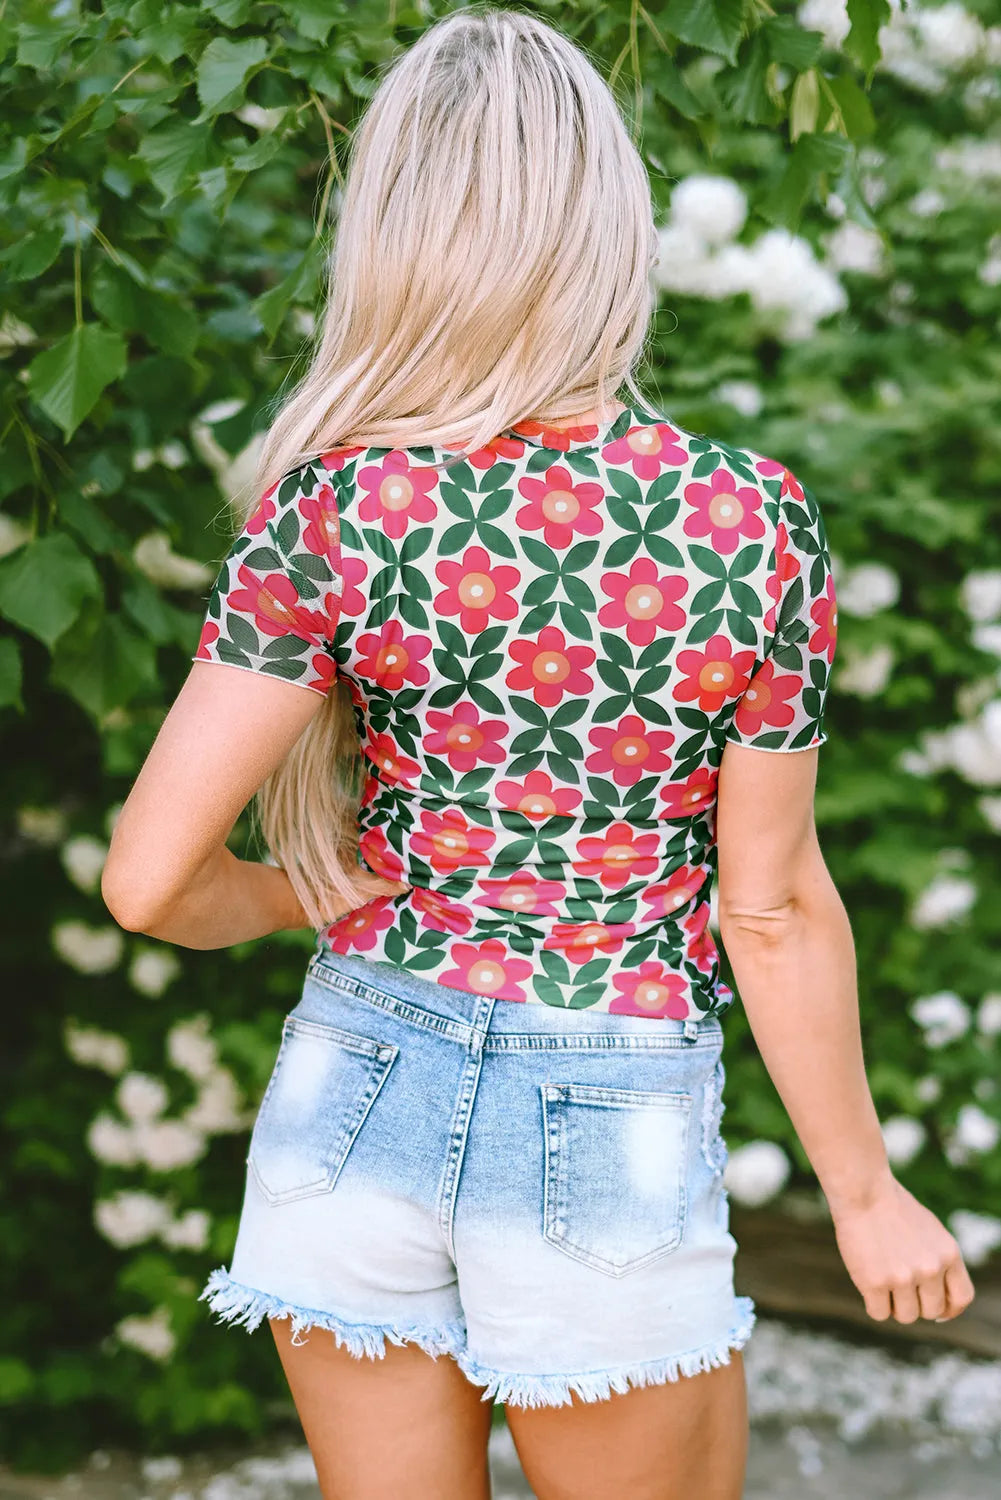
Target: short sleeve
{"type": "Point", "coordinates": [782, 707]}
{"type": "Point", "coordinates": [276, 600]}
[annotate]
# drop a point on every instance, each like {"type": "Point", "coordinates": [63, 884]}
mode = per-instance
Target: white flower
{"type": "Point", "coordinates": [987, 638]}
{"type": "Point", "coordinates": [865, 590]}
{"type": "Point", "coordinates": [152, 969]}
{"type": "Point", "coordinates": [942, 1017]}
{"type": "Point", "coordinates": [163, 1470]}
{"type": "Point", "coordinates": [946, 899]}
{"type": "Point", "coordinates": [980, 594]}
{"type": "Point", "coordinates": [866, 673]}
{"type": "Point", "coordinates": [977, 160]}
{"type": "Point", "coordinates": [152, 1335]}
{"type": "Point", "coordinates": [142, 1097]}
{"type": "Point", "coordinates": [130, 1217]}
{"type": "Point", "coordinates": [189, 1232]}
{"type": "Point", "coordinates": [927, 204]}
{"type": "Point", "coordinates": [756, 1172]}
{"type": "Point", "coordinates": [216, 1109]}
{"type": "Point", "coordinates": [90, 950]}
{"type": "Point", "coordinates": [989, 1015]}
{"type": "Point", "coordinates": [41, 825]}
{"type": "Point", "coordinates": [166, 1145]}
{"type": "Point", "coordinates": [173, 455]}
{"type": "Point", "coordinates": [951, 35]}
{"type": "Point", "coordinates": [977, 1234]}
{"type": "Point", "coordinates": [990, 811]}
{"type": "Point", "coordinates": [928, 1089]}
{"type": "Point", "coordinates": [903, 1138]}
{"type": "Point", "coordinates": [975, 1129]}
{"type": "Point", "coordinates": [830, 17]}
{"type": "Point", "coordinates": [191, 1049]}
{"type": "Point", "coordinates": [13, 534]}
{"type": "Point", "coordinates": [83, 860]}
{"type": "Point", "coordinates": [96, 1049]}
{"type": "Point", "coordinates": [258, 117]}
{"type": "Point", "coordinates": [743, 395]}
{"type": "Point", "coordinates": [154, 556]}
{"type": "Point", "coordinates": [712, 207]}
{"type": "Point", "coordinates": [852, 247]}
{"type": "Point", "coordinates": [143, 459]}
{"type": "Point", "coordinates": [974, 748]}
{"type": "Point", "coordinates": [110, 1141]}
{"type": "Point", "coordinates": [784, 276]}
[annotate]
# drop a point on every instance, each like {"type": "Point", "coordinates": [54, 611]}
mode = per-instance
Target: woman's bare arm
{"type": "Point", "coordinates": [168, 871]}
{"type": "Point", "coordinates": [789, 943]}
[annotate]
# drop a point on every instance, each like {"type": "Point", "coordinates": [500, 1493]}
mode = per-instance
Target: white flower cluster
{"type": "Point", "coordinates": [172, 455]}
{"type": "Point", "coordinates": [945, 900]}
{"type": "Point", "coordinates": [779, 272]}
{"type": "Point", "coordinates": [977, 1235]}
{"type": "Point", "coordinates": [756, 1172]}
{"type": "Point", "coordinates": [88, 949]}
{"type": "Point", "coordinates": [973, 1133]}
{"type": "Point", "coordinates": [45, 826]}
{"type": "Point", "coordinates": [153, 969]}
{"type": "Point", "coordinates": [154, 556]}
{"type": "Point", "coordinates": [903, 1138]}
{"type": "Point", "coordinates": [13, 534]}
{"type": "Point", "coordinates": [92, 1048]}
{"type": "Point", "coordinates": [944, 1017]}
{"type": "Point", "coordinates": [865, 589]}
{"type": "Point", "coordinates": [152, 1335]}
{"type": "Point", "coordinates": [131, 1217]}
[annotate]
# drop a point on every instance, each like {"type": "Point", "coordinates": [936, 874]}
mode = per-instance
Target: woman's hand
{"type": "Point", "coordinates": [902, 1258]}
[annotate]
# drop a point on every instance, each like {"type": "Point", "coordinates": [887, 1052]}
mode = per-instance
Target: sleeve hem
{"type": "Point", "coordinates": [215, 661]}
{"type": "Point", "coordinates": [779, 749]}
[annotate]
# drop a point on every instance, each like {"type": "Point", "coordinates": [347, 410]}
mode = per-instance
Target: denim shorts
{"type": "Point", "coordinates": [534, 1191]}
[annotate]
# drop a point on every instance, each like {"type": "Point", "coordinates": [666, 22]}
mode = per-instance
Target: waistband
{"type": "Point", "coordinates": [485, 1022]}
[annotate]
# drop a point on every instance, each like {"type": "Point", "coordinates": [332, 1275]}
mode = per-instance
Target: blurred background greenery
{"type": "Point", "coordinates": [827, 178]}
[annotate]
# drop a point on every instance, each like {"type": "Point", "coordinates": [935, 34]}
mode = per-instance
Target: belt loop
{"type": "Point", "coordinates": [691, 1029]}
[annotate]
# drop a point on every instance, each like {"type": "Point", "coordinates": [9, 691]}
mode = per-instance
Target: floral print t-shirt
{"type": "Point", "coordinates": [548, 649]}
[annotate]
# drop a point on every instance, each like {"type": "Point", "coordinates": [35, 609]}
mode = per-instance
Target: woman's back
{"type": "Point", "coordinates": [548, 647]}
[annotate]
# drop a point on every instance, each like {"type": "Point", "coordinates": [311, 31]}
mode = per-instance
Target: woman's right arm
{"type": "Point", "coordinates": [789, 942]}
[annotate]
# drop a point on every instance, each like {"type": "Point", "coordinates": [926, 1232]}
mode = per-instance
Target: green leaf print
{"type": "Point", "coordinates": [262, 560]}
{"type": "Point", "coordinates": [457, 537]}
{"type": "Point", "coordinates": [453, 640]}
{"type": "Point", "coordinates": [495, 540]}
{"type": "Point", "coordinates": [741, 628]}
{"type": "Point", "coordinates": [708, 561]}
{"type": "Point", "coordinates": [626, 486]}
{"type": "Point", "coordinates": [495, 477]}
{"type": "Point", "coordinates": [456, 499]}
{"type": "Point", "coordinates": [707, 464]}
{"type": "Point", "coordinates": [542, 556]}
{"type": "Point", "coordinates": [705, 627]}
{"type": "Point", "coordinates": [710, 596]}
{"type": "Point", "coordinates": [664, 551]}
{"type": "Point", "coordinates": [622, 550]}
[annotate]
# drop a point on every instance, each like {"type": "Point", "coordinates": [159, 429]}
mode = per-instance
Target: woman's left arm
{"type": "Point", "coordinates": [168, 872]}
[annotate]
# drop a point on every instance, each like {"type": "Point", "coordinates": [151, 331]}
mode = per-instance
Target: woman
{"type": "Point", "coordinates": [585, 656]}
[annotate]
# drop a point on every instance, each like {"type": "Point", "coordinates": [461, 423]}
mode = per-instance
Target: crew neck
{"type": "Point", "coordinates": [573, 439]}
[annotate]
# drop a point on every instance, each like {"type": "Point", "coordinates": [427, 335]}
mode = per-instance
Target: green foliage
{"type": "Point", "coordinates": [165, 172]}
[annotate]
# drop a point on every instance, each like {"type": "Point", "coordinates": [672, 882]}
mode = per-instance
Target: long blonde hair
{"type": "Point", "coordinates": [491, 263]}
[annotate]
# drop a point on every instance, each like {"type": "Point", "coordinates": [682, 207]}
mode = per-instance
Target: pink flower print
{"type": "Point", "coordinates": [336, 458]}
{"type": "Point", "coordinates": [579, 942]}
{"type": "Point", "coordinates": [559, 507]}
{"type": "Point", "coordinates": [391, 658]}
{"type": "Point", "coordinates": [274, 603]}
{"type": "Point", "coordinates": [685, 799]}
{"type": "Point", "coordinates": [439, 914]}
{"type": "Point", "coordinates": [497, 448]}
{"type": "Point", "coordinates": [650, 990]}
{"type": "Point", "coordinates": [477, 589]}
{"type": "Point", "coordinates": [548, 667]}
{"type": "Point", "coordinates": [677, 891]}
{"type": "Point", "coordinates": [790, 484]}
{"type": "Point", "coordinates": [379, 855]}
{"type": "Point", "coordinates": [522, 892]}
{"type": "Point", "coordinates": [618, 855]}
{"type": "Point", "coordinates": [537, 798]}
{"type": "Point", "coordinates": [208, 637]}
{"type": "Point", "coordinates": [765, 701]}
{"type": "Point", "coordinates": [700, 947]}
{"type": "Point", "coordinates": [321, 536]}
{"type": "Point", "coordinates": [629, 751]}
{"type": "Point", "coordinates": [786, 567]}
{"type": "Point", "coordinates": [648, 449]}
{"type": "Point", "coordinates": [463, 737]}
{"type": "Point", "coordinates": [724, 510]}
{"type": "Point", "coordinates": [384, 753]}
{"type": "Point", "coordinates": [396, 494]}
{"type": "Point", "coordinates": [353, 571]}
{"type": "Point", "coordinates": [449, 842]}
{"type": "Point", "coordinates": [266, 509]}
{"type": "Point", "coordinates": [487, 969]}
{"type": "Point", "coordinates": [713, 675]}
{"type": "Point", "coordinates": [643, 600]}
{"type": "Point", "coordinates": [360, 927]}
{"type": "Point", "coordinates": [824, 614]}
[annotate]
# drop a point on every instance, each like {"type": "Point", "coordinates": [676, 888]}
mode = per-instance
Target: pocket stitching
{"type": "Point", "coordinates": [380, 1059]}
{"type": "Point", "coordinates": [555, 1190]}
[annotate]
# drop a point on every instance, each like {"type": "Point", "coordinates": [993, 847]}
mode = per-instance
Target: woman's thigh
{"type": "Point", "coordinates": [381, 1429]}
{"type": "Point", "coordinates": [659, 1442]}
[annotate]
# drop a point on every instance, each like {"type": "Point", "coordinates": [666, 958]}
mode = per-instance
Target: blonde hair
{"type": "Point", "coordinates": [491, 263]}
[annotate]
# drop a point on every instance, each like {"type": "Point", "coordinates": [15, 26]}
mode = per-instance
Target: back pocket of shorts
{"type": "Point", "coordinates": [322, 1086]}
{"type": "Point", "coordinates": [616, 1171]}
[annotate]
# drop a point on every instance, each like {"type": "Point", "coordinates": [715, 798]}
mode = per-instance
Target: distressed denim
{"type": "Point", "coordinates": [536, 1192]}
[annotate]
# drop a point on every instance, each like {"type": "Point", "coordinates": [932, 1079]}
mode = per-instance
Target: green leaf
{"type": "Point", "coordinates": [811, 155]}
{"type": "Point", "coordinates": [66, 381]}
{"type": "Point", "coordinates": [105, 668]}
{"type": "Point", "coordinates": [744, 89]}
{"type": "Point", "coordinates": [314, 18]}
{"type": "Point", "coordinates": [230, 12]}
{"type": "Point", "coordinates": [174, 155]}
{"type": "Point", "coordinates": [222, 71]}
{"type": "Point", "coordinates": [44, 584]}
{"type": "Point", "coordinates": [714, 25]}
{"type": "Point", "coordinates": [791, 44]}
{"type": "Point", "coordinates": [29, 257]}
{"type": "Point", "coordinates": [862, 41]}
{"type": "Point", "coordinates": [804, 104]}
{"type": "Point", "coordinates": [853, 102]}
{"type": "Point", "coordinates": [163, 320]}
{"type": "Point", "coordinates": [10, 679]}
{"type": "Point", "coordinates": [298, 286]}
{"type": "Point", "coordinates": [669, 84]}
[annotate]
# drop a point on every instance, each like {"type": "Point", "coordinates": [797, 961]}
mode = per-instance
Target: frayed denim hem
{"type": "Point", "coordinates": [598, 1385]}
{"type": "Point", "coordinates": [243, 1305]}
